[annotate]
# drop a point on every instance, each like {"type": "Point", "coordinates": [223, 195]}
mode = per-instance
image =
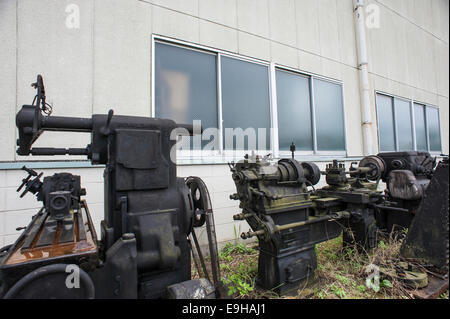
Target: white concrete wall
{"type": "Point", "coordinates": [409, 54]}
{"type": "Point", "coordinates": [106, 63]}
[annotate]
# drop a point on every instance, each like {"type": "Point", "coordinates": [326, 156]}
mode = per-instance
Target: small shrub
{"type": "Point", "coordinates": [239, 275]}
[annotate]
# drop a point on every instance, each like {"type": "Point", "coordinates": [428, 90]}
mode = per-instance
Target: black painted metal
{"type": "Point", "coordinates": [407, 175]}
{"type": "Point", "coordinates": [427, 239]}
{"type": "Point", "coordinates": [203, 213]}
{"type": "Point", "coordinates": [148, 209]}
{"type": "Point", "coordinates": [355, 194]}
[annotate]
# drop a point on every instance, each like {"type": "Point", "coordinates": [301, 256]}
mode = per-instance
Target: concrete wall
{"type": "Point", "coordinates": [409, 54]}
{"type": "Point", "coordinates": [106, 63]}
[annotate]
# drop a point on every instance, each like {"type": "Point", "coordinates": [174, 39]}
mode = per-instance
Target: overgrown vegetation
{"type": "Point", "coordinates": [341, 272]}
{"type": "Point", "coordinates": [239, 268]}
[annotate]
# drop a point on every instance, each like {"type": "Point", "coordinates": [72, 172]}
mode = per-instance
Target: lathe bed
{"type": "Point", "coordinates": [48, 239]}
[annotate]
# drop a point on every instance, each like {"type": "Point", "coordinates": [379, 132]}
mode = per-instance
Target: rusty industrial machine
{"type": "Point", "coordinates": [407, 176]}
{"type": "Point", "coordinates": [416, 200]}
{"type": "Point", "coordinates": [351, 190]}
{"type": "Point", "coordinates": [289, 219]}
{"type": "Point", "coordinates": [149, 212]}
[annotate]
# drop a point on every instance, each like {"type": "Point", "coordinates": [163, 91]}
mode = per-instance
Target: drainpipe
{"type": "Point", "coordinates": [366, 115]}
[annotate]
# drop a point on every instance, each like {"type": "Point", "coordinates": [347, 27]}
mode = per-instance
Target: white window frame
{"type": "Point", "coordinates": [222, 155]}
{"type": "Point", "coordinates": [413, 122]}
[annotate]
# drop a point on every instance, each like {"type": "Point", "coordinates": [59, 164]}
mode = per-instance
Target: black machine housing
{"type": "Point", "coordinates": [407, 176]}
{"type": "Point", "coordinates": [352, 191]}
{"type": "Point", "coordinates": [148, 212]}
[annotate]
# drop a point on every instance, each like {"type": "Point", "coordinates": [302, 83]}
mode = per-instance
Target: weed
{"type": "Point", "coordinates": [386, 284]}
{"type": "Point", "coordinates": [321, 295]}
{"type": "Point", "coordinates": [362, 288]}
{"type": "Point", "coordinates": [239, 248]}
{"type": "Point", "coordinates": [338, 291]}
{"type": "Point", "coordinates": [239, 274]}
{"type": "Point", "coordinates": [444, 295]}
{"type": "Point", "coordinates": [237, 283]}
{"type": "Point", "coordinates": [344, 280]}
{"type": "Point", "coordinates": [236, 233]}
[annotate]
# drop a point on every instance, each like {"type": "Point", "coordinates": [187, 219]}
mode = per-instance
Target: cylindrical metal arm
{"type": "Point", "coordinates": [336, 215]}
{"type": "Point", "coordinates": [278, 228]}
{"type": "Point", "coordinates": [242, 216]}
{"type": "Point", "coordinates": [58, 151]}
{"type": "Point", "coordinates": [63, 123]}
{"type": "Point", "coordinates": [187, 130]}
{"type": "Point", "coordinates": [251, 234]}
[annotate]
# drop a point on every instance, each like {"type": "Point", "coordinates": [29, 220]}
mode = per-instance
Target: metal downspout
{"type": "Point", "coordinates": [366, 115]}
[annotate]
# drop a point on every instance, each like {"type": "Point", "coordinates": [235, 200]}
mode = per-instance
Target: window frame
{"type": "Point", "coordinates": [411, 103]}
{"type": "Point", "coordinates": [241, 153]}
{"type": "Point", "coordinates": [439, 127]}
{"type": "Point", "coordinates": [187, 153]}
{"type": "Point", "coordinates": [311, 77]}
{"type": "Point", "coordinates": [223, 155]}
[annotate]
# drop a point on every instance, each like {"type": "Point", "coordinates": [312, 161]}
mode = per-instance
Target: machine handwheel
{"type": "Point", "coordinates": [376, 164]}
{"type": "Point", "coordinates": [203, 214]}
{"type": "Point", "coordinates": [200, 200]}
{"type": "Point", "coordinates": [313, 170]}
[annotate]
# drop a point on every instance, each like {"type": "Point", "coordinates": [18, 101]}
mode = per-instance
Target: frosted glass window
{"type": "Point", "coordinates": [186, 86]}
{"type": "Point", "coordinates": [404, 128]}
{"type": "Point", "coordinates": [245, 102]}
{"type": "Point", "coordinates": [329, 116]}
{"type": "Point", "coordinates": [434, 135]}
{"type": "Point", "coordinates": [385, 123]}
{"type": "Point", "coordinates": [421, 133]}
{"type": "Point", "coordinates": [294, 111]}
{"type": "Point", "coordinates": [395, 129]}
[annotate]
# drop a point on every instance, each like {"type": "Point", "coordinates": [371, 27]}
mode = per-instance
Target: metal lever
{"type": "Point", "coordinates": [31, 185]}
{"type": "Point", "coordinates": [105, 129]}
{"type": "Point", "coordinates": [292, 149]}
{"type": "Point", "coordinates": [31, 173]}
{"type": "Point", "coordinates": [58, 151]}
